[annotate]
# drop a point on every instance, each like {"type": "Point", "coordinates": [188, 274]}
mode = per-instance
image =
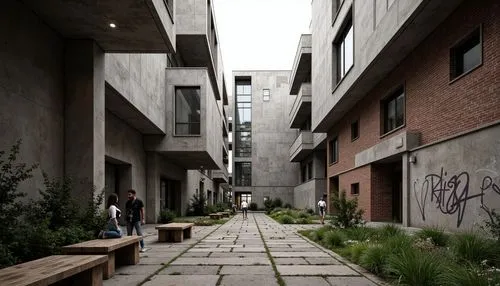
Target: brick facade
{"type": "Point", "coordinates": [435, 106]}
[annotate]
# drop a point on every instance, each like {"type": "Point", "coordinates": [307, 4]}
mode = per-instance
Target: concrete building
{"type": "Point", "coordinates": [262, 138]}
{"type": "Point", "coordinates": [409, 95]}
{"type": "Point", "coordinates": [308, 149]}
{"type": "Point", "coordinates": [117, 95]}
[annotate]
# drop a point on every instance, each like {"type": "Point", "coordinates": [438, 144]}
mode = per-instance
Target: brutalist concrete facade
{"type": "Point", "coordinates": [272, 174]}
{"type": "Point", "coordinates": [437, 165]}
{"type": "Point", "coordinates": [101, 110]}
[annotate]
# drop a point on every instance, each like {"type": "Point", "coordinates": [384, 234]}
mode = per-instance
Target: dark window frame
{"type": "Point", "coordinates": [333, 151]}
{"type": "Point", "coordinates": [336, 5]}
{"type": "Point", "coordinates": [169, 4]}
{"type": "Point", "coordinates": [385, 110]}
{"type": "Point", "coordinates": [462, 46]}
{"type": "Point", "coordinates": [337, 55]}
{"type": "Point", "coordinates": [176, 133]}
{"type": "Point", "coordinates": [355, 189]}
{"type": "Point", "coordinates": [239, 180]}
{"type": "Point", "coordinates": [355, 136]}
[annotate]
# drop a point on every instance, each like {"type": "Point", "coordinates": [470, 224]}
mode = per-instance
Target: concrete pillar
{"type": "Point", "coordinates": [84, 116]}
{"type": "Point", "coordinates": [406, 190]}
{"type": "Point", "coordinates": [152, 187]}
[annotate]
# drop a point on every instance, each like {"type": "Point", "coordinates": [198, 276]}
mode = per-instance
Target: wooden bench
{"type": "Point", "coordinates": [215, 216]}
{"type": "Point", "coordinates": [175, 232]}
{"type": "Point", "coordinates": [225, 214]}
{"type": "Point", "coordinates": [120, 251]}
{"type": "Point", "coordinates": [61, 269]}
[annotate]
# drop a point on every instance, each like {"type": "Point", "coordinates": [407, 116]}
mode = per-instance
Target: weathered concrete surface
{"type": "Point", "coordinates": [467, 167]}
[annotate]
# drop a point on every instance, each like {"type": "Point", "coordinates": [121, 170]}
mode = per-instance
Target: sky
{"type": "Point", "coordinates": [260, 34]}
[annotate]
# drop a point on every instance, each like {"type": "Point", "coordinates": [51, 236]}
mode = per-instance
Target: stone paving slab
{"type": "Point", "coordinates": [154, 260]}
{"type": "Point", "coordinates": [248, 280]}
{"type": "Point", "coordinates": [334, 270]}
{"type": "Point", "coordinates": [137, 269]}
{"type": "Point", "coordinates": [350, 281]}
{"type": "Point", "coordinates": [250, 249]}
{"type": "Point", "coordinates": [299, 254]}
{"type": "Point", "coordinates": [183, 280]}
{"type": "Point", "coordinates": [305, 281]}
{"type": "Point", "coordinates": [191, 270]}
{"type": "Point", "coordinates": [222, 261]}
{"type": "Point", "coordinates": [244, 270]}
{"type": "Point", "coordinates": [291, 261]}
{"type": "Point", "coordinates": [238, 254]}
{"type": "Point", "coordinates": [209, 250]}
{"type": "Point", "coordinates": [196, 254]}
{"type": "Point", "coordinates": [124, 280]}
{"type": "Point", "coordinates": [323, 261]}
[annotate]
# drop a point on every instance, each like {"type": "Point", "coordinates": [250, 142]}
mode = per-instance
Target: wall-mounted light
{"type": "Point", "coordinates": [412, 159]}
{"type": "Point", "coordinates": [112, 25]}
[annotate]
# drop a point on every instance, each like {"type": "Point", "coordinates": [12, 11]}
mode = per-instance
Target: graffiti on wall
{"type": "Point", "coordinates": [450, 193]}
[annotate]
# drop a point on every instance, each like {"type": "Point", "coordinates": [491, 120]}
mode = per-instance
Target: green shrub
{"type": "Point", "coordinates": [268, 206]}
{"type": "Point", "coordinates": [309, 211]}
{"type": "Point", "coordinates": [397, 243]}
{"type": "Point", "coordinates": [390, 230]}
{"type": "Point", "coordinates": [361, 233]}
{"type": "Point", "coordinates": [347, 213]}
{"type": "Point", "coordinates": [277, 203]}
{"type": "Point", "coordinates": [286, 219]}
{"type": "Point", "coordinates": [319, 234]}
{"type": "Point", "coordinates": [220, 207]}
{"type": "Point", "coordinates": [253, 206]}
{"type": "Point", "coordinates": [197, 204]}
{"type": "Point", "coordinates": [303, 214]}
{"type": "Point", "coordinates": [288, 206]}
{"type": "Point", "coordinates": [303, 221]}
{"type": "Point", "coordinates": [374, 259]}
{"type": "Point", "coordinates": [413, 267]}
{"type": "Point", "coordinates": [474, 248]}
{"type": "Point", "coordinates": [334, 238]}
{"type": "Point", "coordinates": [437, 235]}
{"type": "Point", "coordinates": [470, 275]}
{"type": "Point", "coordinates": [166, 216]}
{"type": "Point", "coordinates": [355, 250]}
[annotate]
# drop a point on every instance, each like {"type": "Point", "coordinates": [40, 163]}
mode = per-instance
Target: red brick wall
{"type": "Point", "coordinates": [434, 107]}
{"type": "Point", "coordinates": [381, 195]}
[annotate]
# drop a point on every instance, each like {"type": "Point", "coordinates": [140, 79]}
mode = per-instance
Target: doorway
{"type": "Point", "coordinates": [333, 192]}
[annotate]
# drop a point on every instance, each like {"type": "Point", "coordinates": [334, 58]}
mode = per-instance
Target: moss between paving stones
{"type": "Point", "coordinates": [280, 280]}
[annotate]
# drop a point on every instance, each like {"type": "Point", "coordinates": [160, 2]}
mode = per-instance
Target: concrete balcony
{"type": "Point", "coordinates": [302, 146]}
{"type": "Point", "coordinates": [307, 194]}
{"type": "Point", "coordinates": [196, 38]}
{"type": "Point", "coordinates": [220, 176]}
{"type": "Point", "coordinates": [301, 109]}
{"type": "Point", "coordinates": [301, 69]}
{"type": "Point", "coordinates": [141, 26]}
{"type": "Point", "coordinates": [204, 148]}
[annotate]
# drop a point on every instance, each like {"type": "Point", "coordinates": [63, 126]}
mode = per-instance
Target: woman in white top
{"type": "Point", "coordinates": [114, 213]}
{"type": "Point", "coordinates": [322, 210]}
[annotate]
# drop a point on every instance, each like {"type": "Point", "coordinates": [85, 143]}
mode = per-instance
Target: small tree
{"type": "Point", "coordinates": [347, 212]}
{"type": "Point", "coordinates": [198, 204]}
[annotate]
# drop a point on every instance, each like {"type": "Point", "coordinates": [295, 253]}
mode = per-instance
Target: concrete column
{"type": "Point", "coordinates": [152, 187]}
{"type": "Point", "coordinates": [84, 116]}
{"type": "Point", "coordinates": [406, 190]}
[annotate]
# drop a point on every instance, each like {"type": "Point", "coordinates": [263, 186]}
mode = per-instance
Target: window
{"type": "Point", "coordinates": [243, 173]}
{"type": "Point", "coordinates": [355, 189]}
{"type": "Point", "coordinates": [466, 55]}
{"type": "Point", "coordinates": [394, 111]}
{"type": "Point", "coordinates": [306, 126]}
{"type": "Point", "coordinates": [344, 48]}
{"type": "Point", "coordinates": [335, 8]}
{"type": "Point", "coordinates": [354, 130]}
{"type": "Point", "coordinates": [187, 111]}
{"type": "Point", "coordinates": [243, 119]}
{"type": "Point", "coordinates": [310, 170]}
{"type": "Point", "coordinates": [333, 150]}
{"type": "Point", "coordinates": [266, 94]}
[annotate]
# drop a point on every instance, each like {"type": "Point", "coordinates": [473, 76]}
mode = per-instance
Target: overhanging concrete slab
{"type": "Point", "coordinates": [301, 109]}
{"type": "Point", "coordinates": [301, 69]}
{"type": "Point", "coordinates": [141, 26]}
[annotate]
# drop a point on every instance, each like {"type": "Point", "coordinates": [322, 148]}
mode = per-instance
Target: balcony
{"type": "Point", "coordinates": [220, 176]}
{"type": "Point", "coordinates": [302, 146]}
{"type": "Point", "coordinates": [301, 69]}
{"type": "Point", "coordinates": [141, 26]}
{"type": "Point", "coordinates": [301, 109]}
{"type": "Point", "coordinates": [307, 194]}
{"type": "Point", "coordinates": [202, 148]}
{"type": "Point", "coordinates": [196, 38]}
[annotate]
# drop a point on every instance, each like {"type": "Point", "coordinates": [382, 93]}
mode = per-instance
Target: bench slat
{"type": "Point", "coordinates": [49, 269]}
{"type": "Point", "coordinates": [174, 226]}
{"type": "Point", "coordinates": [100, 245]}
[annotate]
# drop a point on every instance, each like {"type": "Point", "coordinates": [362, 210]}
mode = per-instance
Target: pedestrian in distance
{"type": "Point", "coordinates": [135, 216]}
{"type": "Point", "coordinates": [112, 229]}
{"type": "Point", "coordinates": [322, 210]}
{"type": "Point", "coordinates": [244, 209]}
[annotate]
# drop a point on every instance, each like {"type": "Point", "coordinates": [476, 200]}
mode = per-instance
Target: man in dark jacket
{"type": "Point", "coordinates": [135, 215]}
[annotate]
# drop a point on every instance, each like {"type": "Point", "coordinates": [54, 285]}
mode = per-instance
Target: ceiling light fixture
{"type": "Point", "coordinates": [112, 25]}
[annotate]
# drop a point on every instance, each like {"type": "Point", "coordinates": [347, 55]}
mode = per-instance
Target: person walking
{"type": "Point", "coordinates": [135, 216]}
{"type": "Point", "coordinates": [113, 229]}
{"type": "Point", "coordinates": [244, 209]}
{"type": "Point", "coordinates": [322, 210]}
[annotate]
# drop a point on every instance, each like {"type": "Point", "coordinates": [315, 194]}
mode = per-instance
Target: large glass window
{"type": "Point", "coordinates": [394, 111]}
{"type": "Point", "coordinates": [466, 55]}
{"type": "Point", "coordinates": [187, 111]}
{"type": "Point", "coordinates": [243, 173]}
{"type": "Point", "coordinates": [333, 150]}
{"type": "Point", "coordinates": [243, 120]}
{"type": "Point", "coordinates": [344, 47]}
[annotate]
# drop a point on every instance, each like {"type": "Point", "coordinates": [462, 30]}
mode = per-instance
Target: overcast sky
{"type": "Point", "coordinates": [260, 34]}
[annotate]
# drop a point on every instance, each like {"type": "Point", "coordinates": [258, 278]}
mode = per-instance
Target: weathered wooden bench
{"type": "Point", "coordinates": [225, 214]}
{"type": "Point", "coordinates": [120, 251]}
{"type": "Point", "coordinates": [175, 231]}
{"type": "Point", "coordinates": [61, 269]}
{"type": "Point", "coordinates": [215, 216]}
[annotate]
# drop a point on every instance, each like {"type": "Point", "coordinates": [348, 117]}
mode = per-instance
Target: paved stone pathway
{"type": "Point", "coordinates": [235, 254]}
